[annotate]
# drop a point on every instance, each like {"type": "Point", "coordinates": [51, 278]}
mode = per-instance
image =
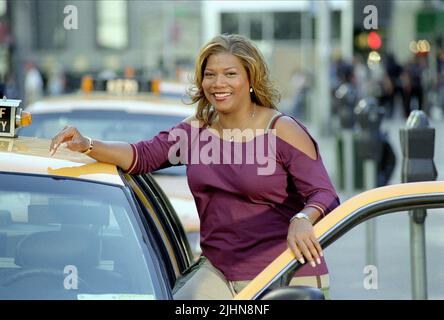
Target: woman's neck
{"type": "Point", "coordinates": [239, 119]}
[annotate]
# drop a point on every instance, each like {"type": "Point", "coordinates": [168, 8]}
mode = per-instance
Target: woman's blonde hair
{"type": "Point", "coordinates": [264, 92]}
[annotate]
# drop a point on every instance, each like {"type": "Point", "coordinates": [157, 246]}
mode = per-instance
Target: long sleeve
{"type": "Point", "coordinates": [155, 154]}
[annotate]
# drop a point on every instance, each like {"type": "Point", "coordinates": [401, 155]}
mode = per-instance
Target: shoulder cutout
{"type": "Point", "coordinates": [291, 132]}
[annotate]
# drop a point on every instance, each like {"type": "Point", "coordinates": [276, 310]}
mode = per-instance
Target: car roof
{"type": "Point", "coordinates": [31, 156]}
{"type": "Point", "coordinates": [146, 104]}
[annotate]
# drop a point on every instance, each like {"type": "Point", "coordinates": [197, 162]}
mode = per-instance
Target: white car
{"type": "Point", "coordinates": [123, 118]}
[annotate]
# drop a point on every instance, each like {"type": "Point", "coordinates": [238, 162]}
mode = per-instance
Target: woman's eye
{"type": "Point", "coordinates": [231, 74]}
{"type": "Point", "coordinates": [208, 75]}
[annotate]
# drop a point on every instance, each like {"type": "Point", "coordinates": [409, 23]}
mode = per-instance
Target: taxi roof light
{"type": "Point", "coordinates": [23, 119]}
{"type": "Point", "coordinates": [132, 86]}
{"type": "Point", "coordinates": [87, 84]}
{"type": "Point", "coordinates": [12, 117]}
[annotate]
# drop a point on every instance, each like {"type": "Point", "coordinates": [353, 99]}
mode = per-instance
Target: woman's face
{"type": "Point", "coordinates": [225, 83]}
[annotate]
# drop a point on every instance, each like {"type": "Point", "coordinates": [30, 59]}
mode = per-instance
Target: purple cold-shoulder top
{"type": "Point", "coordinates": [244, 212]}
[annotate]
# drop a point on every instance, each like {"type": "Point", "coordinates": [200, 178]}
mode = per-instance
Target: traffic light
{"type": "Point", "coordinates": [365, 41]}
{"type": "Point", "coordinates": [374, 40]}
{"type": "Point", "coordinates": [369, 45]}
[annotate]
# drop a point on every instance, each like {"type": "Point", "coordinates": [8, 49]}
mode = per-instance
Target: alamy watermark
{"type": "Point", "coordinates": [371, 18]}
{"type": "Point", "coordinates": [371, 279]}
{"type": "Point", "coordinates": [71, 21]}
{"type": "Point", "coordinates": [259, 149]}
{"type": "Point", "coordinates": [71, 281]}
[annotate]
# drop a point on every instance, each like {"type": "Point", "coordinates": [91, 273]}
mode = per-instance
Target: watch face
{"type": "Point", "coordinates": [301, 215]}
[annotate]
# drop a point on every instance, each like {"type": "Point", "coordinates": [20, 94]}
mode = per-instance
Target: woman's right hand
{"type": "Point", "coordinates": [72, 138]}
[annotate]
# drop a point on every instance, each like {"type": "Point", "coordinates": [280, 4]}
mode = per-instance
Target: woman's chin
{"type": "Point", "coordinates": [221, 108]}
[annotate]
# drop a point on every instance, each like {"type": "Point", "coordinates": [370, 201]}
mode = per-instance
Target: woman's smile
{"type": "Point", "coordinates": [225, 83]}
{"type": "Point", "coordinates": [222, 96]}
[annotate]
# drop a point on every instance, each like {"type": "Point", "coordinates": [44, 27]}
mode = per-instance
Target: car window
{"type": "Point", "coordinates": [105, 125]}
{"type": "Point", "coordinates": [356, 271]}
{"type": "Point", "coordinates": [68, 239]}
{"type": "Point", "coordinates": [353, 276]}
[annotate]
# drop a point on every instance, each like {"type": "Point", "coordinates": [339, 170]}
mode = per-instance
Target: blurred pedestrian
{"type": "Point", "coordinates": [2, 89]}
{"type": "Point", "coordinates": [300, 86]}
{"type": "Point", "coordinates": [11, 88]}
{"type": "Point", "coordinates": [247, 219]}
{"type": "Point", "coordinates": [129, 73]}
{"type": "Point", "coordinates": [361, 77]}
{"type": "Point", "coordinates": [33, 83]}
{"type": "Point", "coordinates": [341, 71]}
{"type": "Point", "coordinates": [412, 86]}
{"type": "Point", "coordinates": [391, 84]}
{"type": "Point", "coordinates": [56, 80]}
{"type": "Point", "coordinates": [440, 80]}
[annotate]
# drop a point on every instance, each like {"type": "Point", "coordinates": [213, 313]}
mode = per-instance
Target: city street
{"type": "Point", "coordinates": [346, 257]}
{"type": "Point", "coordinates": [95, 93]}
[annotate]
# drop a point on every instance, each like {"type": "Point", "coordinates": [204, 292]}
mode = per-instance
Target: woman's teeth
{"type": "Point", "coordinates": [221, 95]}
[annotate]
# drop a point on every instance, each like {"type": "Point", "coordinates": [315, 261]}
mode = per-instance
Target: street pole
{"type": "Point", "coordinates": [349, 160]}
{"type": "Point", "coordinates": [418, 259]}
{"type": "Point", "coordinates": [322, 105]}
{"type": "Point", "coordinates": [347, 26]}
{"type": "Point", "coordinates": [370, 225]}
{"type": "Point", "coordinates": [418, 146]}
{"type": "Point", "coordinates": [168, 47]}
{"type": "Point", "coordinates": [369, 117]}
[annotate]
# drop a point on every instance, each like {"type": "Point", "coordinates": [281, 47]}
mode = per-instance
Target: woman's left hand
{"type": "Point", "coordinates": [302, 240]}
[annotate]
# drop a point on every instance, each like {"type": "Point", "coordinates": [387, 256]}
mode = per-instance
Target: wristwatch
{"type": "Point", "coordinates": [91, 145]}
{"type": "Point", "coordinates": [300, 215]}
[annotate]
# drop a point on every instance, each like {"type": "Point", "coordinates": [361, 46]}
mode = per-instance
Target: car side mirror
{"type": "Point", "coordinates": [294, 293]}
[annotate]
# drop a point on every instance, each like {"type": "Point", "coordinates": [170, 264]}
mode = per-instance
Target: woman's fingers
{"type": "Point", "coordinates": [306, 247]}
{"type": "Point", "coordinates": [317, 245]}
{"type": "Point", "coordinates": [65, 135]}
{"type": "Point", "coordinates": [313, 250]}
{"type": "Point", "coordinates": [296, 251]}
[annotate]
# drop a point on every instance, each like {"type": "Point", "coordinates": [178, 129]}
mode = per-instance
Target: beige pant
{"type": "Point", "coordinates": [208, 283]}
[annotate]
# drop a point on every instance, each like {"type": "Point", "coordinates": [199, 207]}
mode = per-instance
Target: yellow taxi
{"type": "Point", "coordinates": [122, 113]}
{"type": "Point", "coordinates": [74, 228]}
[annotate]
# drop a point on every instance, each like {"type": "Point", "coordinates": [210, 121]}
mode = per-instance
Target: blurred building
{"type": "Point", "coordinates": [161, 38]}
{"type": "Point", "coordinates": [285, 31]}
{"type": "Point", "coordinates": [153, 37]}
{"type": "Point", "coordinates": [5, 45]}
{"type": "Point", "coordinates": [158, 37]}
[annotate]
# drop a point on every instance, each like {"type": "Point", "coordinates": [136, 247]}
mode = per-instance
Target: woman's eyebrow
{"type": "Point", "coordinates": [227, 68]}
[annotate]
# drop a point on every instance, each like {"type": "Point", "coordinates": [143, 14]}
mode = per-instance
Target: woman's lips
{"type": "Point", "coordinates": [221, 96]}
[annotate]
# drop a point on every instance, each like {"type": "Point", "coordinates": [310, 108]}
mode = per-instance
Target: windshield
{"type": "Point", "coordinates": [68, 239]}
{"type": "Point", "coordinates": [105, 125]}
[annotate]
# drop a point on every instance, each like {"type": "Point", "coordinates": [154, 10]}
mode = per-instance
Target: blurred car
{"type": "Point", "coordinates": [128, 118]}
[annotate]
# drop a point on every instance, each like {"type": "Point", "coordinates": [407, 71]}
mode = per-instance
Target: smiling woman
{"type": "Point", "coordinates": [248, 216]}
{"type": "Point", "coordinates": [235, 65]}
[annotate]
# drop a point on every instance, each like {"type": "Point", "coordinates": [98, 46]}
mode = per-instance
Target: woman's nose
{"type": "Point", "coordinates": [219, 80]}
